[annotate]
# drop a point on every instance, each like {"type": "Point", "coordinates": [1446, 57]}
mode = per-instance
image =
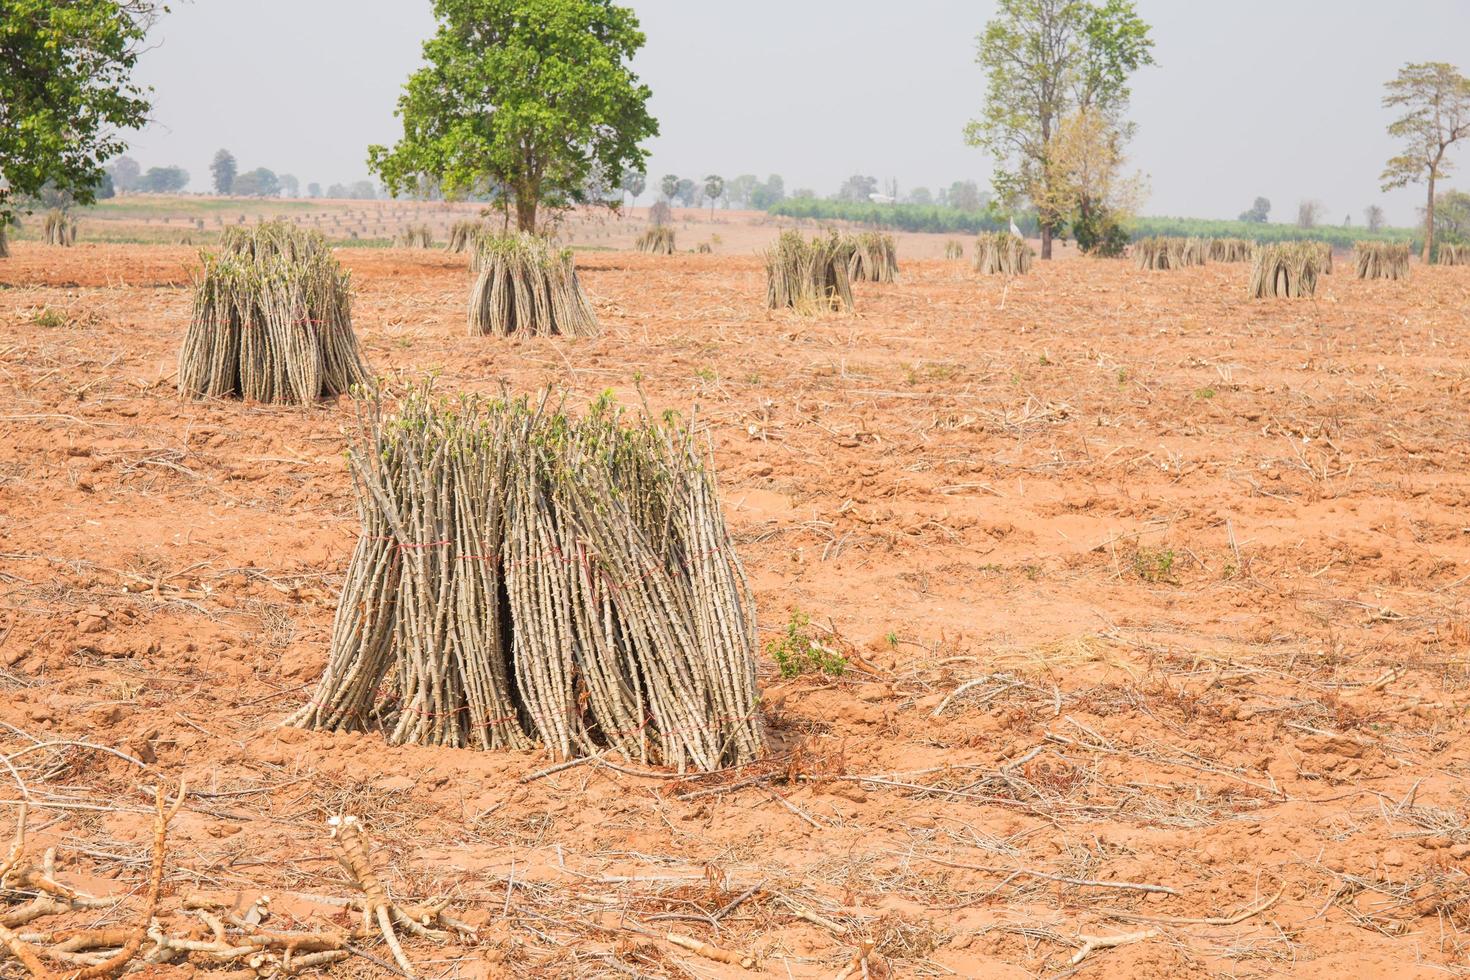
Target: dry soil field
{"type": "Point", "coordinates": [1155, 599]}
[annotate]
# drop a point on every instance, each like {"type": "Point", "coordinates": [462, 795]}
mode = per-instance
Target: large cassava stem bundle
{"type": "Point", "coordinates": [525, 285]}
{"type": "Point", "coordinates": [1001, 253]}
{"type": "Point", "coordinates": [272, 320]}
{"type": "Point", "coordinates": [59, 228]}
{"type": "Point", "coordinates": [809, 276]}
{"type": "Point", "coordinates": [1286, 269]}
{"type": "Point", "coordinates": [1231, 250]}
{"type": "Point", "coordinates": [414, 236]}
{"type": "Point", "coordinates": [874, 258]}
{"type": "Point", "coordinates": [1449, 253]}
{"type": "Point", "coordinates": [954, 249]}
{"type": "Point", "coordinates": [526, 577]}
{"type": "Point", "coordinates": [1382, 260]}
{"type": "Point", "coordinates": [659, 240]}
{"type": "Point", "coordinates": [4, 242]}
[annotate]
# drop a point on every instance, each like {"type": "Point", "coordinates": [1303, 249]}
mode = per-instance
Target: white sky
{"type": "Point", "coordinates": [1273, 97]}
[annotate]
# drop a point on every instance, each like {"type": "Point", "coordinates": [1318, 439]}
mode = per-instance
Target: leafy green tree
{"type": "Point", "coordinates": [773, 191]}
{"type": "Point", "coordinates": [313, 189]}
{"type": "Point", "coordinates": [669, 186]}
{"type": "Point", "coordinates": [523, 98]}
{"type": "Point", "coordinates": [635, 182]}
{"type": "Point", "coordinates": [857, 188]}
{"type": "Point", "coordinates": [919, 195]}
{"type": "Point", "coordinates": [686, 191]}
{"type": "Point", "coordinates": [125, 174]}
{"type": "Point", "coordinates": [1435, 100]}
{"type": "Point", "coordinates": [1452, 217]}
{"type": "Point", "coordinates": [259, 182]}
{"type": "Point", "coordinates": [66, 93]}
{"type": "Point", "coordinates": [1045, 60]}
{"type": "Point", "coordinates": [714, 189]}
{"type": "Point", "coordinates": [164, 180]}
{"type": "Point", "coordinates": [1259, 213]}
{"type": "Point", "coordinates": [738, 191]}
{"type": "Point", "coordinates": [290, 185]}
{"type": "Point", "coordinates": [964, 195]}
{"type": "Point", "coordinates": [223, 168]}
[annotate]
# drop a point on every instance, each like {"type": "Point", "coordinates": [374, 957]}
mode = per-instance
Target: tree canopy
{"type": "Point", "coordinates": [1046, 60]}
{"type": "Point", "coordinates": [66, 93]}
{"type": "Point", "coordinates": [524, 100]}
{"type": "Point", "coordinates": [1435, 100]}
{"type": "Point", "coordinates": [224, 169]}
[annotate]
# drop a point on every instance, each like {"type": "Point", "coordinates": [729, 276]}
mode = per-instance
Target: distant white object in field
{"type": "Point", "coordinates": [881, 198]}
{"type": "Point", "coordinates": [1016, 231]}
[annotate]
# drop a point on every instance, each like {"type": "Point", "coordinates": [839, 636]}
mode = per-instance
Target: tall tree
{"type": "Point", "coordinates": [634, 183]}
{"type": "Point", "coordinates": [857, 188]}
{"type": "Point", "coordinates": [164, 180]}
{"type": "Point", "coordinates": [290, 185]}
{"type": "Point", "coordinates": [66, 93]}
{"type": "Point", "coordinates": [685, 191]}
{"type": "Point", "coordinates": [125, 173]}
{"type": "Point", "coordinates": [1309, 214]}
{"type": "Point", "coordinates": [1085, 182]}
{"type": "Point", "coordinates": [1373, 217]}
{"type": "Point", "coordinates": [1259, 213]}
{"type": "Point", "coordinates": [714, 189]}
{"type": "Point", "coordinates": [1044, 60]}
{"type": "Point", "coordinates": [1435, 100]}
{"type": "Point", "coordinates": [223, 168]}
{"type": "Point", "coordinates": [522, 98]}
{"type": "Point", "coordinates": [668, 185]}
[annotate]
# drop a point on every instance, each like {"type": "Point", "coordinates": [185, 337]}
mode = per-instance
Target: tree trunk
{"type": "Point", "coordinates": [525, 211]}
{"type": "Point", "coordinates": [1046, 241]}
{"type": "Point", "coordinates": [1429, 221]}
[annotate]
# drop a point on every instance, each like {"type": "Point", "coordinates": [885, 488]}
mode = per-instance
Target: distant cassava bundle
{"type": "Point", "coordinates": [525, 577]}
{"type": "Point", "coordinates": [809, 276]}
{"type": "Point", "coordinates": [4, 242]}
{"type": "Point", "coordinates": [525, 285]}
{"type": "Point", "coordinates": [1170, 253]}
{"type": "Point", "coordinates": [1449, 253]}
{"type": "Point", "coordinates": [272, 320]}
{"type": "Point", "coordinates": [1286, 269]}
{"type": "Point", "coordinates": [415, 236]}
{"type": "Point", "coordinates": [874, 258]}
{"type": "Point", "coordinates": [1382, 260]}
{"type": "Point", "coordinates": [1231, 250]}
{"type": "Point", "coordinates": [954, 250]}
{"type": "Point", "coordinates": [658, 240]}
{"type": "Point", "coordinates": [463, 235]}
{"type": "Point", "coordinates": [59, 228]}
{"type": "Point", "coordinates": [1001, 253]}
{"type": "Point", "coordinates": [1324, 256]}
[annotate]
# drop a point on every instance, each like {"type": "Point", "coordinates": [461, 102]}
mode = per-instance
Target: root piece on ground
{"type": "Point", "coordinates": [874, 258]}
{"type": "Point", "coordinates": [1286, 269]}
{"type": "Point", "coordinates": [272, 321]}
{"type": "Point", "coordinates": [523, 576]}
{"type": "Point", "coordinates": [1382, 260]}
{"type": "Point", "coordinates": [809, 276]}
{"type": "Point", "coordinates": [658, 240]}
{"type": "Point", "coordinates": [1001, 253]}
{"type": "Point", "coordinates": [525, 285]}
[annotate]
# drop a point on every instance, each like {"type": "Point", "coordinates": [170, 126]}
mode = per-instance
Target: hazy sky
{"type": "Point", "coordinates": [1273, 97]}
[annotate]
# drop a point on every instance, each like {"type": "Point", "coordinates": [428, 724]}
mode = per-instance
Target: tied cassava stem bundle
{"type": "Point", "coordinates": [1382, 260]}
{"type": "Point", "coordinates": [809, 276]}
{"type": "Point", "coordinates": [1001, 253]}
{"type": "Point", "coordinates": [659, 240]}
{"type": "Point", "coordinates": [525, 285]}
{"type": "Point", "coordinates": [1287, 269]}
{"type": "Point", "coordinates": [272, 320]}
{"type": "Point", "coordinates": [874, 258]}
{"type": "Point", "coordinates": [527, 577]}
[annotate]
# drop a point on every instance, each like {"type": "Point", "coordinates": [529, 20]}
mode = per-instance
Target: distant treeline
{"type": "Point", "coordinates": [1339, 236]}
{"type": "Point", "coordinates": [946, 220]}
{"type": "Point", "coordinates": [902, 217]}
